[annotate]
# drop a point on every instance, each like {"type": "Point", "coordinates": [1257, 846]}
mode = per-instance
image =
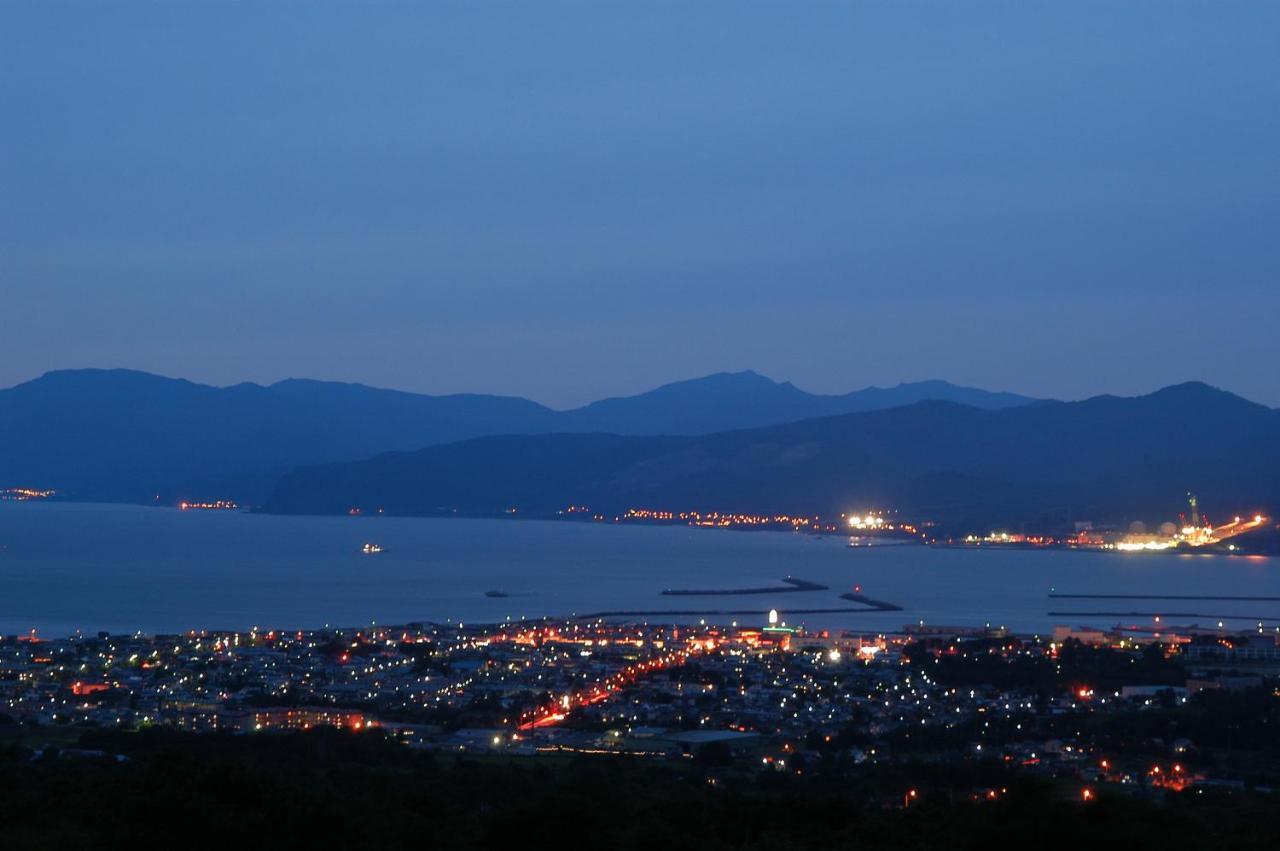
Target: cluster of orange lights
{"type": "Point", "coordinates": [216, 505]}
{"type": "Point", "coordinates": [1175, 777]}
{"type": "Point", "coordinates": [718, 519]}
{"type": "Point", "coordinates": [306, 719]}
{"type": "Point", "coordinates": [587, 636]}
{"type": "Point", "coordinates": [82, 689]}
{"type": "Point", "coordinates": [24, 494]}
{"type": "Point", "coordinates": [1015, 538]}
{"type": "Point", "coordinates": [556, 711]}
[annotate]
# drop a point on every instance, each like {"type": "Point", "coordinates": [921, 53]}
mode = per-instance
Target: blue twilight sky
{"type": "Point", "coordinates": [571, 200]}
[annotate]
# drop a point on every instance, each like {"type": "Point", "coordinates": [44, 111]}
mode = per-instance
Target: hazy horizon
{"type": "Point", "coordinates": [577, 201]}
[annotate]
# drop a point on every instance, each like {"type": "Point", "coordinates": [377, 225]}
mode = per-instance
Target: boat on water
{"type": "Point", "coordinates": [371, 549]}
{"type": "Point", "coordinates": [496, 594]}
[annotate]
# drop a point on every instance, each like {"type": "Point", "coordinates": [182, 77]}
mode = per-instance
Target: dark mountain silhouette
{"type": "Point", "coordinates": [734, 400]}
{"type": "Point", "coordinates": [1048, 463]}
{"type": "Point", "coordinates": [131, 436]}
{"type": "Point", "coordinates": [128, 436]}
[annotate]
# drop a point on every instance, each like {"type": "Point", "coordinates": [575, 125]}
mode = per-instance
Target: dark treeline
{"type": "Point", "coordinates": [327, 789]}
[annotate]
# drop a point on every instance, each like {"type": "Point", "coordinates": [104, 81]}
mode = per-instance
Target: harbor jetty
{"type": "Point", "coordinates": [1168, 615]}
{"type": "Point", "coordinates": [791, 585]}
{"type": "Point", "coordinates": [679, 613]}
{"type": "Point", "coordinates": [1214, 597]}
{"type": "Point", "coordinates": [870, 603]}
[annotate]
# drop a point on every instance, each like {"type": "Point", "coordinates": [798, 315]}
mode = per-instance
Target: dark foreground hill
{"type": "Point", "coordinates": [325, 789]}
{"type": "Point", "coordinates": [1052, 461]}
{"type": "Point", "coordinates": [130, 436]}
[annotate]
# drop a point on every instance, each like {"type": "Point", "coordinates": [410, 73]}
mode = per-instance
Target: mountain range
{"type": "Point", "coordinates": [1043, 465]}
{"type": "Point", "coordinates": [121, 435]}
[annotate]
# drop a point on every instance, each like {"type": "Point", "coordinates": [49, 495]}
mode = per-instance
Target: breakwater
{"type": "Point", "coordinates": [1211, 597]}
{"type": "Point", "coordinates": [791, 585]}
{"type": "Point", "coordinates": [718, 613]}
{"type": "Point", "coordinates": [1220, 617]}
{"type": "Point", "coordinates": [871, 603]}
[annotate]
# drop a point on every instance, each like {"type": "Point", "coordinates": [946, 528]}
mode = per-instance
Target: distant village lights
{"type": "Point", "coordinates": [25, 494]}
{"type": "Point", "coordinates": [866, 521]}
{"type": "Point", "coordinates": [216, 505]}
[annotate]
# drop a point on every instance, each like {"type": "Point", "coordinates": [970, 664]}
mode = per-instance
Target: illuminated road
{"type": "Point", "coordinates": [599, 692]}
{"type": "Point", "coordinates": [1239, 526]}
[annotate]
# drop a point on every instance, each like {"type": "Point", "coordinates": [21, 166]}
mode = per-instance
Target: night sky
{"type": "Point", "coordinates": [567, 201]}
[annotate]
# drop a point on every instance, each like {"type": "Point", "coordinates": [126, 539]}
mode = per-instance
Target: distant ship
{"type": "Point", "coordinates": [496, 594]}
{"type": "Point", "coordinates": [371, 549]}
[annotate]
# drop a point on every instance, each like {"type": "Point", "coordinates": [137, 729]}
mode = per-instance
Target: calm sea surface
{"type": "Point", "coordinates": [122, 568]}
